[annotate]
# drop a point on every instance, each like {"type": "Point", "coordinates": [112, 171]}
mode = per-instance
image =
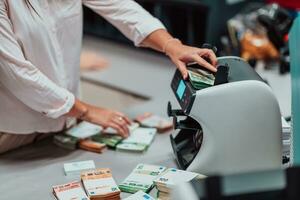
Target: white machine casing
{"type": "Point", "coordinates": [241, 125]}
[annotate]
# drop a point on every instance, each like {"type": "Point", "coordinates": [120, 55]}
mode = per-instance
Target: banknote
{"type": "Point", "coordinates": [100, 185]}
{"type": "Point", "coordinates": [84, 130]}
{"type": "Point", "coordinates": [65, 141]}
{"type": "Point", "coordinates": [92, 146]}
{"type": "Point", "coordinates": [69, 191]}
{"type": "Point", "coordinates": [75, 168]}
{"type": "Point", "coordinates": [141, 178]}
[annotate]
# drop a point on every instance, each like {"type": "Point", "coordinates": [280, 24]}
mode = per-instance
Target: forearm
{"type": "Point", "coordinates": [158, 40]}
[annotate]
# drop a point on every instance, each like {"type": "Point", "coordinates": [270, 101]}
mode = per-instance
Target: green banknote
{"type": "Point", "coordinates": [108, 139]}
{"type": "Point", "coordinates": [200, 79]}
{"type": "Point", "coordinates": [141, 178]}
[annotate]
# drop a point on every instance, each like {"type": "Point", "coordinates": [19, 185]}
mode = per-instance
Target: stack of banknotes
{"type": "Point", "coordinates": [94, 138]}
{"type": "Point", "coordinates": [100, 185]}
{"type": "Point", "coordinates": [140, 195]}
{"type": "Point", "coordinates": [75, 168]}
{"type": "Point", "coordinates": [65, 141]}
{"type": "Point", "coordinates": [170, 178]}
{"type": "Point", "coordinates": [138, 141]}
{"type": "Point", "coordinates": [69, 191]}
{"type": "Point", "coordinates": [92, 146]}
{"type": "Point", "coordinates": [200, 79]}
{"type": "Point", "coordinates": [141, 178]}
{"type": "Point", "coordinates": [150, 120]}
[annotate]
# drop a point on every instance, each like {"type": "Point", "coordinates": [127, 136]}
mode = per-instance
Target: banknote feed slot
{"type": "Point", "coordinates": [186, 146]}
{"type": "Point", "coordinates": [201, 143]}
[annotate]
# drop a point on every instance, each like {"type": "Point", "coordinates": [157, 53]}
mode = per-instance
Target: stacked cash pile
{"type": "Point", "coordinates": [140, 195]}
{"type": "Point", "coordinates": [84, 130]}
{"type": "Point", "coordinates": [91, 137]}
{"type": "Point", "coordinates": [141, 178]}
{"type": "Point", "coordinates": [139, 140]}
{"type": "Point", "coordinates": [109, 140]}
{"type": "Point", "coordinates": [65, 141]}
{"type": "Point", "coordinates": [69, 191]}
{"type": "Point", "coordinates": [75, 168]}
{"type": "Point", "coordinates": [71, 138]}
{"type": "Point", "coordinates": [92, 146]}
{"type": "Point", "coordinates": [170, 178]}
{"type": "Point", "coordinates": [150, 120]}
{"type": "Point", "coordinates": [200, 79]}
{"type": "Point", "coordinates": [100, 185]}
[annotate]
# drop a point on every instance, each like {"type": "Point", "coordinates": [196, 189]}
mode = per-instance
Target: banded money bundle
{"type": "Point", "coordinates": [92, 146]}
{"type": "Point", "coordinates": [100, 185]}
{"type": "Point", "coordinates": [69, 191]}
{"type": "Point", "coordinates": [200, 79]}
{"type": "Point", "coordinates": [170, 178]}
{"type": "Point", "coordinates": [141, 178]}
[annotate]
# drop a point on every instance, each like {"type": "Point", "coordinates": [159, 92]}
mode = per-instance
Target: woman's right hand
{"type": "Point", "coordinates": [101, 116]}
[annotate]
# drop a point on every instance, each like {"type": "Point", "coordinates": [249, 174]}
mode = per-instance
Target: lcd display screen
{"type": "Point", "coordinates": [181, 89]}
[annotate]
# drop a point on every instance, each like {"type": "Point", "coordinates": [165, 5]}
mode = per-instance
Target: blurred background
{"type": "Point", "coordinates": [255, 30]}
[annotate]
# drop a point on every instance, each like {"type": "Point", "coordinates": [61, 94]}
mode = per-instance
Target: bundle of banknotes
{"type": "Point", "coordinates": [65, 141]}
{"type": "Point", "coordinates": [138, 141]}
{"type": "Point", "coordinates": [140, 195]}
{"type": "Point", "coordinates": [75, 168]}
{"type": "Point", "coordinates": [108, 139]}
{"type": "Point", "coordinates": [171, 177]}
{"type": "Point", "coordinates": [141, 178]}
{"type": "Point", "coordinates": [100, 185]}
{"type": "Point", "coordinates": [150, 120]}
{"type": "Point", "coordinates": [94, 138]}
{"type": "Point", "coordinates": [69, 191]}
{"type": "Point", "coordinates": [92, 146]}
{"type": "Point", "coordinates": [200, 79]}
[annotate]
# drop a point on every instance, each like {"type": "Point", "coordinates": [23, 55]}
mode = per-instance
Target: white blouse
{"type": "Point", "coordinates": [40, 44]}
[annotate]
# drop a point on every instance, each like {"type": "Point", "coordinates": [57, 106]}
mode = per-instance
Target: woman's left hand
{"type": "Point", "coordinates": [182, 54]}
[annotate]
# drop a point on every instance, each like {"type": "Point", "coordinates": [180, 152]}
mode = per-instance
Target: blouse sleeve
{"type": "Point", "coordinates": [128, 16]}
{"type": "Point", "coordinates": [24, 80]}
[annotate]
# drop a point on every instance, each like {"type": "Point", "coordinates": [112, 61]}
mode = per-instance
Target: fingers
{"type": "Point", "coordinates": [122, 124]}
{"type": "Point", "coordinates": [182, 68]}
{"type": "Point", "coordinates": [211, 55]}
{"type": "Point", "coordinates": [125, 118]}
{"type": "Point", "coordinates": [197, 58]}
{"type": "Point", "coordinates": [119, 129]}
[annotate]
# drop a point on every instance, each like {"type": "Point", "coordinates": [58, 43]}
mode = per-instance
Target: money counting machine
{"type": "Point", "coordinates": [231, 127]}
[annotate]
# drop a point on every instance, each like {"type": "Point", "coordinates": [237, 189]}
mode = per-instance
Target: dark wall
{"type": "Point", "coordinates": [193, 21]}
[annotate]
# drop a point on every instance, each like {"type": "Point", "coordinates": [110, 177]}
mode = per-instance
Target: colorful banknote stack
{"type": "Point", "coordinates": [138, 141]}
{"type": "Point", "coordinates": [69, 191]}
{"type": "Point", "coordinates": [154, 121]}
{"type": "Point", "coordinates": [100, 185]}
{"type": "Point", "coordinates": [141, 178]}
{"type": "Point", "coordinates": [109, 140]}
{"type": "Point", "coordinates": [170, 178]}
{"type": "Point", "coordinates": [92, 146]}
{"type": "Point", "coordinates": [200, 79]}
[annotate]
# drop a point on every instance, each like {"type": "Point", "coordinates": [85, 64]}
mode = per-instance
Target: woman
{"type": "Point", "coordinates": [40, 43]}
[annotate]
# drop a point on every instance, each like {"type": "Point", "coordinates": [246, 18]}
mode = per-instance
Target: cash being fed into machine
{"type": "Point", "coordinates": [231, 127]}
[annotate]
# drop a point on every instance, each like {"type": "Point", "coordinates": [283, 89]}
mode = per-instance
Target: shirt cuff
{"type": "Point", "coordinates": [145, 28]}
{"type": "Point", "coordinates": [65, 108]}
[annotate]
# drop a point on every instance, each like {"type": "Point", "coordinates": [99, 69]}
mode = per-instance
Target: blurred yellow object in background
{"type": "Point", "coordinates": [257, 46]}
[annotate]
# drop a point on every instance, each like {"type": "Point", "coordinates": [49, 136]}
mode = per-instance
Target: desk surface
{"type": "Point", "coordinates": [30, 172]}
